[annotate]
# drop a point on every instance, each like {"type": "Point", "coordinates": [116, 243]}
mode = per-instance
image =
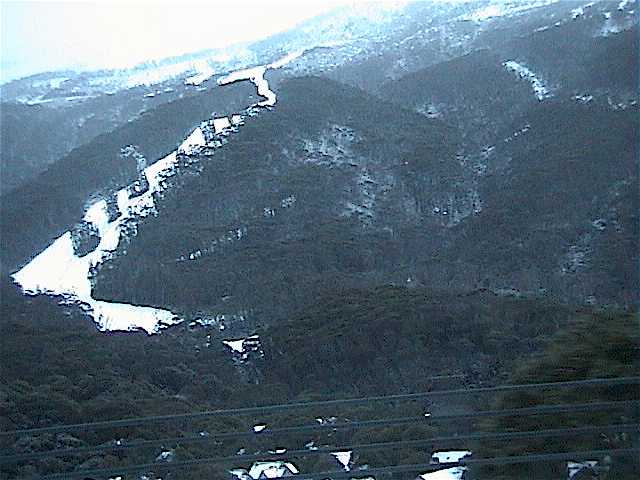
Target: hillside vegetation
{"type": "Point", "coordinates": [57, 369]}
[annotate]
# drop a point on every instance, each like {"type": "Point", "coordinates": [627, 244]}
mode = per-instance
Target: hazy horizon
{"type": "Point", "coordinates": [49, 36]}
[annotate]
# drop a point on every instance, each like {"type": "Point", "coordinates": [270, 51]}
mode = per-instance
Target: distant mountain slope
{"type": "Point", "coordinates": [316, 192]}
{"type": "Point", "coordinates": [560, 205]}
{"type": "Point", "coordinates": [365, 47]}
{"type": "Point", "coordinates": [559, 158]}
{"type": "Point", "coordinates": [479, 94]}
{"type": "Point", "coordinates": [475, 92]}
{"type": "Point", "coordinates": [335, 187]}
{"type": "Point", "coordinates": [34, 214]}
{"type": "Point", "coordinates": [491, 146]}
{"type": "Point", "coordinates": [34, 135]}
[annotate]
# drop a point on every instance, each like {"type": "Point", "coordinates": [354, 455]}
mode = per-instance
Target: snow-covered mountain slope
{"type": "Point", "coordinates": [488, 145]}
{"type": "Point", "coordinates": [65, 267]}
{"type": "Point", "coordinates": [352, 33]}
{"type": "Point", "coordinates": [361, 45]}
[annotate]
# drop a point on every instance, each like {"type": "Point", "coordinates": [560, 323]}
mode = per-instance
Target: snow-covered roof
{"type": "Point", "coordinates": [235, 345]}
{"type": "Point", "coordinates": [343, 458]}
{"type": "Point", "coordinates": [450, 456]}
{"type": "Point", "coordinates": [240, 473]}
{"type": "Point", "coordinates": [271, 469]}
{"type": "Point", "coordinates": [454, 473]}
{"type": "Point", "coordinates": [575, 467]}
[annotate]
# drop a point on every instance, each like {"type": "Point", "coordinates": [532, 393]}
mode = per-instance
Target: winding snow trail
{"type": "Point", "coordinates": [256, 75]}
{"type": "Point", "coordinates": [57, 270]}
{"type": "Point", "coordinates": [539, 88]}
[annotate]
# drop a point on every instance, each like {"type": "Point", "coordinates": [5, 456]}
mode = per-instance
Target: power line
{"type": "Point", "coordinates": [540, 410]}
{"type": "Point", "coordinates": [325, 403]}
{"type": "Point", "coordinates": [513, 460]}
{"type": "Point", "coordinates": [548, 433]}
{"type": "Point", "coordinates": [517, 459]}
{"type": "Point", "coordinates": [310, 429]}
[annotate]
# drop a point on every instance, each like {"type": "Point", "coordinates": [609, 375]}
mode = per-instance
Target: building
{"type": "Point", "coordinates": [265, 471]}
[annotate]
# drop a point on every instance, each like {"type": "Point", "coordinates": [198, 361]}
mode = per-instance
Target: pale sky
{"type": "Point", "coordinates": [52, 35]}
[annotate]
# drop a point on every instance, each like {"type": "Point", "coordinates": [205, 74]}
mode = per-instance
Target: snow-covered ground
{"type": "Point", "coordinates": [221, 124]}
{"type": "Point", "coordinates": [501, 8]}
{"type": "Point", "coordinates": [59, 270]}
{"type": "Point", "coordinates": [205, 72]}
{"type": "Point", "coordinates": [539, 88]}
{"type": "Point", "coordinates": [192, 142]}
{"type": "Point", "coordinates": [256, 75]}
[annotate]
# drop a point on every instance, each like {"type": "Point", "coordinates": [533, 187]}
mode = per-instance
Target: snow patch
{"type": "Point", "coordinates": [518, 133]}
{"type": "Point", "coordinates": [583, 98]}
{"type": "Point", "coordinates": [256, 75]}
{"type": "Point", "coordinates": [286, 59]}
{"type": "Point", "coordinates": [98, 216]}
{"type": "Point", "coordinates": [193, 142]}
{"type": "Point", "coordinates": [57, 270]}
{"type": "Point", "coordinates": [221, 124]}
{"type": "Point", "coordinates": [166, 456]}
{"type": "Point", "coordinates": [121, 316]}
{"type": "Point", "coordinates": [205, 72]}
{"type": "Point", "coordinates": [614, 25]}
{"type": "Point", "coordinates": [243, 347]}
{"type": "Point", "coordinates": [577, 12]}
{"type": "Point", "coordinates": [622, 5]}
{"type": "Point", "coordinates": [502, 8]}
{"type": "Point", "coordinates": [288, 201]}
{"type": "Point", "coordinates": [156, 75]}
{"type": "Point", "coordinates": [486, 13]}
{"type": "Point", "coordinates": [599, 224]}
{"type": "Point", "coordinates": [539, 88]}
